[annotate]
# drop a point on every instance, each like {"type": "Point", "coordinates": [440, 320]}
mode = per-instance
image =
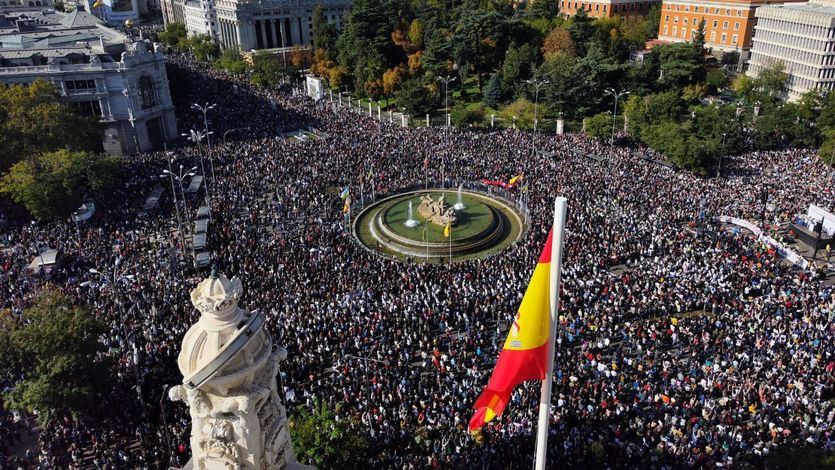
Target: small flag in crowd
{"type": "Point", "coordinates": [347, 206]}
{"type": "Point", "coordinates": [345, 192]}
{"type": "Point", "coordinates": [516, 179]}
{"type": "Point", "coordinates": [525, 352]}
{"type": "Point", "coordinates": [447, 230]}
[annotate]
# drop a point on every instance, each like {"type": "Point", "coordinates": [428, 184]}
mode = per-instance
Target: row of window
{"type": "Point", "coordinates": [692, 34]}
{"type": "Point", "coordinates": [696, 22]}
{"type": "Point", "coordinates": [80, 85]}
{"type": "Point", "coordinates": [709, 10]}
{"type": "Point", "coordinates": [622, 7]}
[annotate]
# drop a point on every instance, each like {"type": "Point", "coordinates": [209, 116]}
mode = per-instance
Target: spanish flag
{"type": "Point", "coordinates": [525, 353]}
{"type": "Point", "coordinates": [447, 230]}
{"type": "Point", "coordinates": [515, 179]}
{"type": "Point", "coordinates": [347, 206]}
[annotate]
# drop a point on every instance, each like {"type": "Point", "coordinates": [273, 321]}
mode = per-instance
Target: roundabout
{"type": "Point", "coordinates": [437, 225]}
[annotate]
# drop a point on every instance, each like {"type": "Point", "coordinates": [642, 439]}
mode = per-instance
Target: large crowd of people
{"type": "Point", "coordinates": [681, 342]}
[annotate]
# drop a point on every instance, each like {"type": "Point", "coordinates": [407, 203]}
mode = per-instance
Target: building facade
{"type": "Point", "coordinates": [729, 24]}
{"type": "Point", "coordinates": [269, 24]}
{"type": "Point", "coordinates": [99, 70]}
{"type": "Point", "coordinates": [800, 37]}
{"type": "Point", "coordinates": [607, 8]}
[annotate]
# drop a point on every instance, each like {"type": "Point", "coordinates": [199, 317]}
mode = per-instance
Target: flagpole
{"type": "Point", "coordinates": [560, 206]}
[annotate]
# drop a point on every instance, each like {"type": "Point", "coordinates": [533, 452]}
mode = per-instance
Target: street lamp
{"type": "Point", "coordinates": [616, 94]}
{"type": "Point", "coordinates": [537, 83]}
{"type": "Point", "coordinates": [205, 110]}
{"type": "Point", "coordinates": [197, 137]}
{"type": "Point", "coordinates": [179, 178]}
{"type": "Point", "coordinates": [115, 278]}
{"type": "Point", "coordinates": [446, 81]}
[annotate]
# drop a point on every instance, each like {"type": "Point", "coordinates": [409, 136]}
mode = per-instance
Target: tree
{"type": "Point", "coordinates": [827, 148]}
{"type": "Point", "coordinates": [599, 126]}
{"type": "Point", "coordinates": [547, 9]}
{"type": "Point", "coordinates": [581, 29]}
{"type": "Point", "coordinates": [365, 46]}
{"type": "Point", "coordinates": [518, 66]}
{"type": "Point", "coordinates": [38, 119]}
{"type": "Point", "coordinates": [699, 37]}
{"type": "Point", "coordinates": [468, 115]}
{"type": "Point", "coordinates": [416, 33]}
{"type": "Point", "coordinates": [55, 349]}
{"type": "Point", "coordinates": [480, 38]}
{"type": "Point", "coordinates": [232, 61]}
{"type": "Point", "coordinates": [325, 440]}
{"type": "Point", "coordinates": [392, 79]}
{"type": "Point", "coordinates": [324, 33]}
{"type": "Point", "coordinates": [203, 47]}
{"type": "Point", "coordinates": [523, 110]}
{"type": "Point", "coordinates": [54, 184]}
{"type": "Point", "coordinates": [716, 81]}
{"type": "Point", "coordinates": [414, 98]}
{"type": "Point", "coordinates": [558, 41]}
{"type": "Point", "coordinates": [175, 36]}
{"type": "Point", "coordinates": [680, 63]}
{"type": "Point", "coordinates": [493, 95]}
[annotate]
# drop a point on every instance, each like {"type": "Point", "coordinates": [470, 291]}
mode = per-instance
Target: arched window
{"type": "Point", "coordinates": [146, 92]}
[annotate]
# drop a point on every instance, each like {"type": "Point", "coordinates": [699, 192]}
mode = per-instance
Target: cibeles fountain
{"type": "Point", "coordinates": [229, 367]}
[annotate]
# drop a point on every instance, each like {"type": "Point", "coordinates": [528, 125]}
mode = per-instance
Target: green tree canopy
{"type": "Point", "coordinates": [599, 126]}
{"type": "Point", "coordinates": [56, 351]}
{"type": "Point", "coordinates": [322, 440]}
{"type": "Point", "coordinates": [55, 183]}
{"type": "Point", "coordinates": [37, 119]}
{"type": "Point", "coordinates": [324, 32]}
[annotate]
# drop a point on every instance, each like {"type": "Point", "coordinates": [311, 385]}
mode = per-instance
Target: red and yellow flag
{"type": "Point", "coordinates": [515, 180]}
{"type": "Point", "coordinates": [525, 352]}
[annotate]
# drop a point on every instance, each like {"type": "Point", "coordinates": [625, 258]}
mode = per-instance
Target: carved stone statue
{"type": "Point", "coordinates": [229, 368]}
{"type": "Point", "coordinates": [436, 211]}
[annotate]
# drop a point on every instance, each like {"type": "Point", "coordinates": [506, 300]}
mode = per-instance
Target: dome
{"type": "Point", "coordinates": [221, 322]}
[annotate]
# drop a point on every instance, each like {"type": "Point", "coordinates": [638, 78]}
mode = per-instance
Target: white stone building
{"type": "Point", "coordinates": [200, 17]}
{"type": "Point", "coordinates": [101, 71]}
{"type": "Point", "coordinates": [801, 36]}
{"type": "Point", "coordinates": [269, 24]}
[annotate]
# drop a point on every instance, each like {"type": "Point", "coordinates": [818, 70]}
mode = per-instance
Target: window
{"type": "Point", "coordinates": [725, 25]}
{"type": "Point", "coordinates": [735, 39]}
{"type": "Point", "coordinates": [89, 108]}
{"type": "Point", "coordinates": [80, 85]}
{"type": "Point", "coordinates": [146, 92]}
{"type": "Point", "coordinates": [736, 26]}
{"type": "Point", "coordinates": [724, 38]}
{"type": "Point", "coordinates": [715, 23]}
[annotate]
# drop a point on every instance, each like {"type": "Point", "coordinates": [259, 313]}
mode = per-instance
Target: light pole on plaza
{"type": "Point", "coordinates": [537, 83]}
{"type": "Point", "coordinates": [205, 110]}
{"type": "Point", "coordinates": [446, 81]}
{"type": "Point", "coordinates": [197, 137]}
{"type": "Point", "coordinates": [616, 95]}
{"type": "Point", "coordinates": [115, 278]}
{"type": "Point", "coordinates": [179, 178]}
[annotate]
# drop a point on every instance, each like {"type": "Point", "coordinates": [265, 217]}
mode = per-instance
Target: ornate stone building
{"type": "Point", "coordinates": [801, 37]}
{"type": "Point", "coordinates": [229, 368]}
{"type": "Point", "coordinates": [245, 25]}
{"type": "Point", "coordinates": [105, 74]}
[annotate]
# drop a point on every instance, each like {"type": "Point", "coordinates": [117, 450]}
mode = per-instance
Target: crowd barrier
{"type": "Point", "coordinates": [784, 251]}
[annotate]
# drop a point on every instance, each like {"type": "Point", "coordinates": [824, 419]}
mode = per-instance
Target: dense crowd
{"type": "Point", "coordinates": [681, 342]}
